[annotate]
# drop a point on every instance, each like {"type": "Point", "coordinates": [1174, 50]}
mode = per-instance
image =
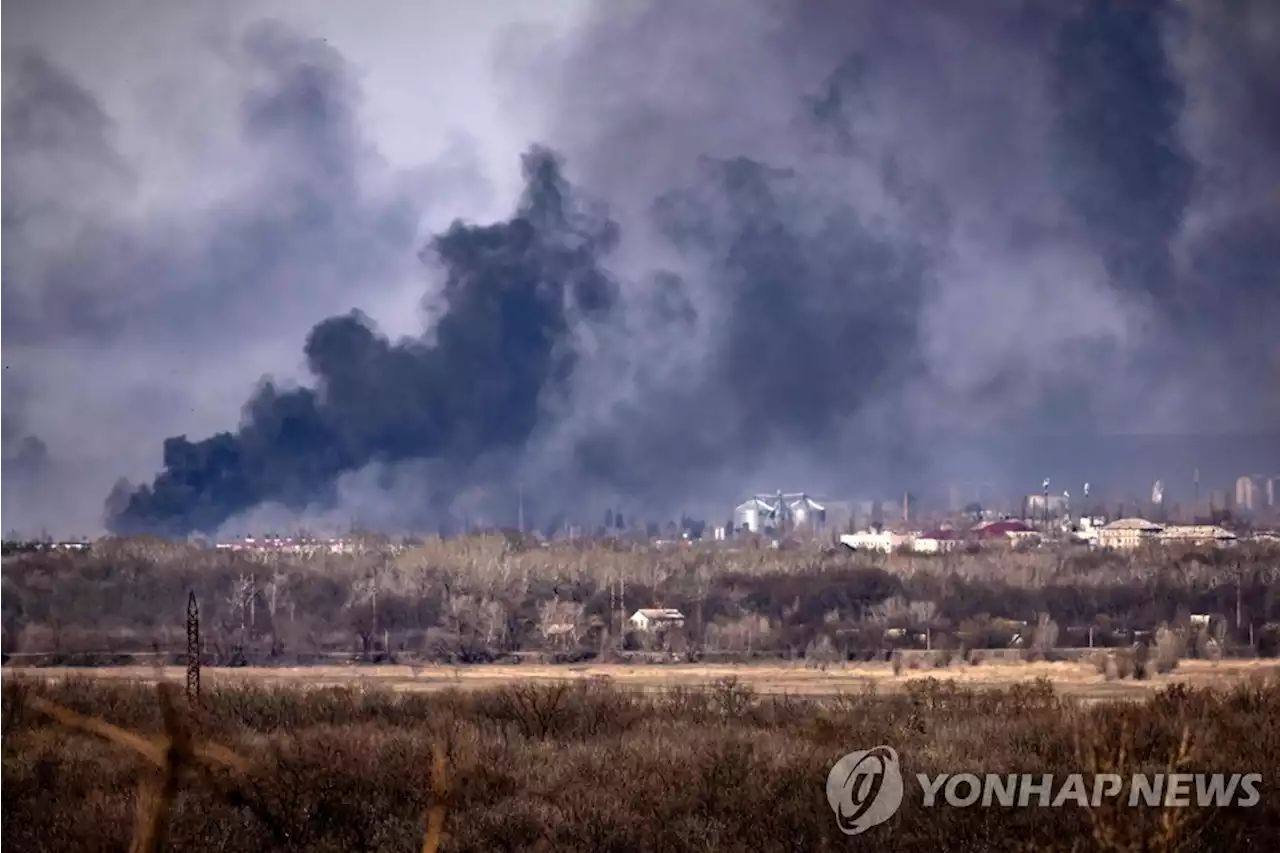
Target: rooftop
{"type": "Point", "coordinates": [658, 613]}
{"type": "Point", "coordinates": [1140, 524]}
{"type": "Point", "coordinates": [1003, 528]}
{"type": "Point", "coordinates": [1196, 531]}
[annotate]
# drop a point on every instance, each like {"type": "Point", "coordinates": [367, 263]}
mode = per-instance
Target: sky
{"type": "Point", "coordinates": [653, 256]}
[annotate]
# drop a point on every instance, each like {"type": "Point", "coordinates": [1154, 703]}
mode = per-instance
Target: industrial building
{"type": "Point", "coordinates": [778, 511]}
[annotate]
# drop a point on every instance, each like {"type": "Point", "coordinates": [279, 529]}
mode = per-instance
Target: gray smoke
{"type": "Point", "coordinates": [901, 233]}
{"type": "Point", "coordinates": [862, 249]}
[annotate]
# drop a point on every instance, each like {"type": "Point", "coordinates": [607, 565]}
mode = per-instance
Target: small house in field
{"type": "Point", "coordinates": [656, 619]}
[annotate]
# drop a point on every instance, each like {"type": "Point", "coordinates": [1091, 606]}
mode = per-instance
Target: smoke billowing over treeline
{"type": "Point", "coordinates": [814, 245]}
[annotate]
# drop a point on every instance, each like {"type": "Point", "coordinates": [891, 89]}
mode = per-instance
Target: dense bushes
{"type": "Point", "coordinates": [589, 767]}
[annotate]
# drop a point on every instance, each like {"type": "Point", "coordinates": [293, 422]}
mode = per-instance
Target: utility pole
{"type": "Point", "coordinates": [193, 649]}
{"type": "Point", "coordinates": [520, 507]}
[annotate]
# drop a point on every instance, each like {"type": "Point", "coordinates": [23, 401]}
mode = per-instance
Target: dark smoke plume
{"type": "Point", "coordinates": [500, 355]}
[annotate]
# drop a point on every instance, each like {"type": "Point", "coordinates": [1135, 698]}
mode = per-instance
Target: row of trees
{"type": "Point", "coordinates": [477, 598]}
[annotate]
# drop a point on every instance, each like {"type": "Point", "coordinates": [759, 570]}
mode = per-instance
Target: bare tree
{"type": "Point", "coordinates": [493, 622]}
{"type": "Point", "coordinates": [277, 593]}
{"type": "Point", "coordinates": [239, 602]}
{"type": "Point", "coordinates": [364, 592]}
{"type": "Point", "coordinates": [558, 617]}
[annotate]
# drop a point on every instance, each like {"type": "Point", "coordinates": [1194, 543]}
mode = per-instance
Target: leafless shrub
{"type": "Point", "coordinates": [1099, 661]}
{"type": "Point", "coordinates": [732, 697]}
{"type": "Point", "coordinates": [821, 652]}
{"type": "Point", "coordinates": [1169, 650]}
{"type": "Point", "coordinates": [1124, 662]}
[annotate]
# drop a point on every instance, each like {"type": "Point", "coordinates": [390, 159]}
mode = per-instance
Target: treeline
{"type": "Point", "coordinates": [487, 597]}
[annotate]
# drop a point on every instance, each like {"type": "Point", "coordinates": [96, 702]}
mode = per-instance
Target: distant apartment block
{"type": "Point", "coordinates": [1255, 492]}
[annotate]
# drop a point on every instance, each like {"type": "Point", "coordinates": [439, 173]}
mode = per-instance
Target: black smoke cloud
{"type": "Point", "coordinates": [850, 239]}
{"type": "Point", "coordinates": [499, 357]}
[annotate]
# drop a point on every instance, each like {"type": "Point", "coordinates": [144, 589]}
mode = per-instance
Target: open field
{"type": "Point", "coordinates": [1075, 679]}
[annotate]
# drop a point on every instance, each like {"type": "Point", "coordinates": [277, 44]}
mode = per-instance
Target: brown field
{"type": "Point", "coordinates": [1078, 680]}
{"type": "Point", "coordinates": [539, 762]}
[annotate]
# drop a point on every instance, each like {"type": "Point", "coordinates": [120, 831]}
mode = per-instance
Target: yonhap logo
{"type": "Point", "coordinates": [865, 789]}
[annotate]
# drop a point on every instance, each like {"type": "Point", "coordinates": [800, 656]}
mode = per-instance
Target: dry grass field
{"type": "Point", "coordinates": [1075, 679]}
{"type": "Point", "coordinates": [101, 763]}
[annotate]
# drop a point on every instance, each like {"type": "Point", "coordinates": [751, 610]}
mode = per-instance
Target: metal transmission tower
{"type": "Point", "coordinates": [193, 649]}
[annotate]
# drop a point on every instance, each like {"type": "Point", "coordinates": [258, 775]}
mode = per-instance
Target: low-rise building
{"type": "Point", "coordinates": [935, 541]}
{"type": "Point", "coordinates": [1126, 533]}
{"type": "Point", "coordinates": [882, 541]}
{"type": "Point", "coordinates": [1008, 530]}
{"type": "Point", "coordinates": [656, 619]}
{"type": "Point", "coordinates": [1196, 534]}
